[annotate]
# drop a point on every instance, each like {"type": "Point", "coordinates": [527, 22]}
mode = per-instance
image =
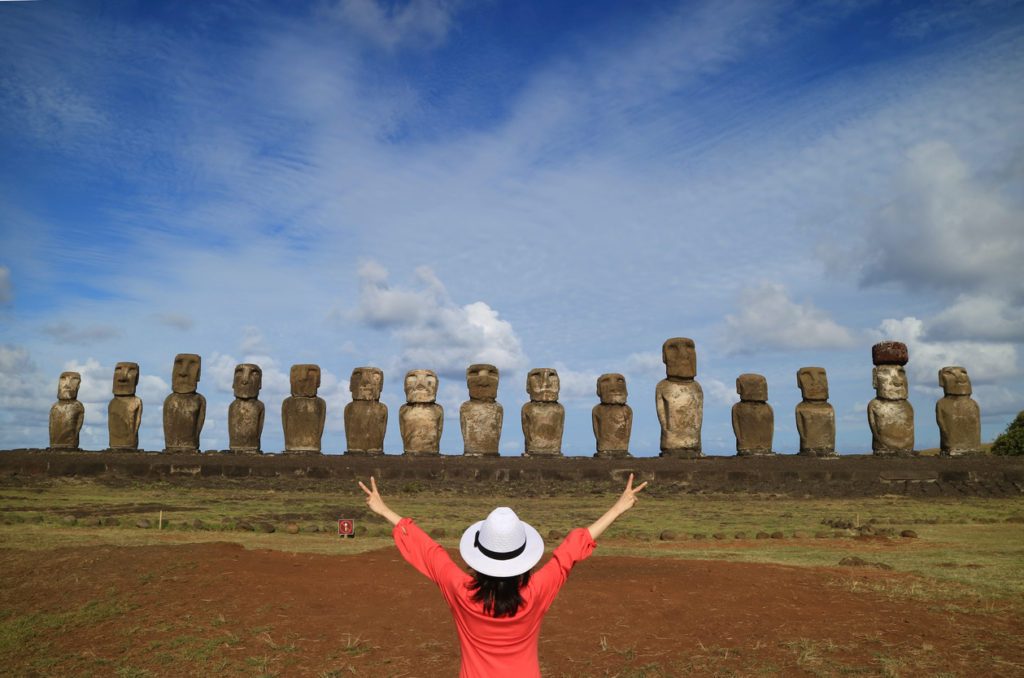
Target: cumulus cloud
{"type": "Point", "coordinates": [769, 319]}
{"type": "Point", "coordinates": [68, 333]}
{"type": "Point", "coordinates": [947, 231]}
{"type": "Point", "coordinates": [434, 332]}
{"type": "Point", "coordinates": [977, 316]}
{"type": "Point", "coordinates": [647, 363]}
{"type": "Point", "coordinates": [6, 289]}
{"type": "Point", "coordinates": [416, 23]}
{"type": "Point", "coordinates": [985, 362]}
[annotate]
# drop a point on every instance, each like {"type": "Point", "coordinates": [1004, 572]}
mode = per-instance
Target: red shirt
{"type": "Point", "coordinates": [493, 647]}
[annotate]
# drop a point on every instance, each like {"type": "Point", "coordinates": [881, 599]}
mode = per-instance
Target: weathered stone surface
{"type": "Point", "coordinates": [679, 400]}
{"type": "Point", "coordinates": [366, 418]}
{"type": "Point", "coordinates": [303, 413]}
{"type": "Point", "coordinates": [184, 409]}
{"type": "Point", "coordinates": [124, 413]}
{"type": "Point", "coordinates": [890, 416]}
{"type": "Point", "coordinates": [543, 418]}
{"type": "Point", "coordinates": [957, 414]}
{"type": "Point", "coordinates": [67, 414]}
{"type": "Point", "coordinates": [889, 353]}
{"type": "Point", "coordinates": [481, 417]}
{"type": "Point", "coordinates": [420, 419]}
{"type": "Point", "coordinates": [815, 417]}
{"type": "Point", "coordinates": [612, 419]}
{"type": "Point", "coordinates": [246, 413]}
{"type": "Point", "coordinates": [753, 420]}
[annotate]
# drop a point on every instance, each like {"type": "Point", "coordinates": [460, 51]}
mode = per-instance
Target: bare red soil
{"type": "Point", "coordinates": [218, 609]}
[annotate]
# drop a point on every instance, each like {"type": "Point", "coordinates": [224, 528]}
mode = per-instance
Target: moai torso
{"type": "Point", "coordinates": [612, 418]}
{"type": "Point", "coordinates": [366, 418]}
{"type": "Point", "coordinates": [957, 414]}
{"type": "Point", "coordinates": [679, 400]}
{"type": "Point", "coordinates": [184, 410]}
{"type": "Point", "coordinates": [420, 419]}
{"type": "Point", "coordinates": [67, 414]}
{"type": "Point", "coordinates": [481, 416]}
{"type": "Point", "coordinates": [543, 418]}
{"type": "Point", "coordinates": [890, 415]}
{"type": "Point", "coordinates": [753, 420]}
{"type": "Point", "coordinates": [124, 413]}
{"type": "Point", "coordinates": [246, 413]}
{"type": "Point", "coordinates": [815, 418]}
{"type": "Point", "coordinates": [303, 413]}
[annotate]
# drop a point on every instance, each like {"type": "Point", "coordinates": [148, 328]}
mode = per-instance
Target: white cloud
{"type": "Point", "coordinates": [980, 317]}
{"type": "Point", "coordinates": [717, 392]}
{"type": "Point", "coordinates": [985, 362]}
{"type": "Point", "coordinates": [769, 320]}
{"type": "Point", "coordinates": [181, 321]}
{"type": "Point", "coordinates": [68, 333]}
{"type": "Point", "coordinates": [647, 363]}
{"type": "Point", "coordinates": [415, 23]}
{"type": "Point", "coordinates": [434, 332]}
{"type": "Point", "coordinates": [6, 289]}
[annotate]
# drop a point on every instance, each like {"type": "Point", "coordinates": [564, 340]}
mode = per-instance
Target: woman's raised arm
{"type": "Point", "coordinates": [621, 505]}
{"type": "Point", "coordinates": [377, 504]}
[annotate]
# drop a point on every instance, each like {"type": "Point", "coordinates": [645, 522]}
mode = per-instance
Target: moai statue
{"type": "Point", "coordinates": [612, 418]}
{"type": "Point", "coordinates": [184, 409]}
{"type": "Point", "coordinates": [815, 418]}
{"type": "Point", "coordinates": [67, 414]}
{"type": "Point", "coordinates": [957, 414]}
{"type": "Point", "coordinates": [680, 400]}
{"type": "Point", "coordinates": [420, 419]}
{"type": "Point", "coordinates": [246, 412]}
{"type": "Point", "coordinates": [543, 417]}
{"type": "Point", "coordinates": [481, 416]}
{"type": "Point", "coordinates": [753, 420]}
{"type": "Point", "coordinates": [303, 413]}
{"type": "Point", "coordinates": [366, 418]}
{"type": "Point", "coordinates": [890, 416]}
{"type": "Point", "coordinates": [124, 413]}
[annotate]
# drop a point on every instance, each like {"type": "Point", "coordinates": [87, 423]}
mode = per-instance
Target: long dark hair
{"type": "Point", "coordinates": [499, 595]}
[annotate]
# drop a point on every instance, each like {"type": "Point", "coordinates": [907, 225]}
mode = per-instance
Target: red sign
{"type": "Point", "coordinates": [346, 527]}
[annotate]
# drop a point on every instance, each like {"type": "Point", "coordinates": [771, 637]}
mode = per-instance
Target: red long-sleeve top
{"type": "Point", "coordinates": [493, 647]}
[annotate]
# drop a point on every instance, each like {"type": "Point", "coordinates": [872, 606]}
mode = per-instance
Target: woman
{"type": "Point", "coordinates": [498, 607]}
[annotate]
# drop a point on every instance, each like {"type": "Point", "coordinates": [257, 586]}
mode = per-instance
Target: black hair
{"type": "Point", "coordinates": [500, 595]}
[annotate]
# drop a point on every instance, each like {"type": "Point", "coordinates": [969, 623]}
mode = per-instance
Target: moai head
{"type": "Point", "coordinates": [67, 387]}
{"type": "Point", "coordinates": [482, 381]}
{"type": "Point", "coordinates": [420, 386]}
{"type": "Point", "coordinates": [542, 385]}
{"type": "Point", "coordinates": [890, 382]}
{"type": "Point", "coordinates": [305, 380]}
{"type": "Point", "coordinates": [611, 389]}
{"type": "Point", "coordinates": [366, 383]}
{"type": "Point", "coordinates": [680, 357]}
{"type": "Point", "coordinates": [126, 378]}
{"type": "Point", "coordinates": [813, 383]}
{"type": "Point", "coordinates": [185, 378]}
{"type": "Point", "coordinates": [752, 388]}
{"type": "Point", "coordinates": [248, 381]}
{"type": "Point", "coordinates": [954, 381]}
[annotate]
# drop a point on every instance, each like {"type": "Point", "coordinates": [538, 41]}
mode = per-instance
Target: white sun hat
{"type": "Point", "coordinates": [501, 545]}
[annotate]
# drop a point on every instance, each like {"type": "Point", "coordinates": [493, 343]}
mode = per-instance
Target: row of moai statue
{"type": "Point", "coordinates": [679, 403]}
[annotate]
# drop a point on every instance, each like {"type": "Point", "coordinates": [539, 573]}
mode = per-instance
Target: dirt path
{"type": "Point", "coordinates": [218, 609]}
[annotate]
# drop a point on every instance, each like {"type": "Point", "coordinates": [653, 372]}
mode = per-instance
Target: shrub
{"type": "Point", "coordinates": [1011, 441]}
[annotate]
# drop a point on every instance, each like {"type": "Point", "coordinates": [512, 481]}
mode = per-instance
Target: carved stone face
{"type": "Point", "coordinates": [366, 383]}
{"type": "Point", "coordinates": [611, 389]}
{"type": "Point", "coordinates": [126, 378]}
{"type": "Point", "coordinates": [185, 378]}
{"type": "Point", "coordinates": [680, 358]}
{"type": "Point", "coordinates": [890, 382]}
{"type": "Point", "coordinates": [248, 380]}
{"type": "Point", "coordinates": [67, 387]}
{"type": "Point", "coordinates": [305, 380]}
{"type": "Point", "coordinates": [752, 387]}
{"type": "Point", "coordinates": [954, 381]}
{"type": "Point", "coordinates": [813, 383]}
{"type": "Point", "coordinates": [420, 386]}
{"type": "Point", "coordinates": [482, 381]}
{"type": "Point", "coordinates": [542, 384]}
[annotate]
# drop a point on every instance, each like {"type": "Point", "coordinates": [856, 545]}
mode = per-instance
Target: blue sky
{"type": "Point", "coordinates": [432, 184]}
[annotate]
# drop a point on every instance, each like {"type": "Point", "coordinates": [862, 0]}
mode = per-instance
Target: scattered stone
{"type": "Point", "coordinates": [777, 534]}
{"type": "Point", "coordinates": [311, 529]}
{"type": "Point", "coordinates": [111, 522]}
{"type": "Point", "coordinates": [800, 534]}
{"type": "Point", "coordinates": [910, 534]}
{"type": "Point", "coordinates": [667, 535]}
{"type": "Point", "coordinates": [198, 524]}
{"type": "Point", "coordinates": [291, 528]}
{"type": "Point", "coordinates": [1015, 519]}
{"type": "Point", "coordinates": [34, 519]}
{"type": "Point", "coordinates": [555, 535]}
{"type": "Point", "coordinates": [838, 534]}
{"type": "Point", "coordinates": [91, 522]}
{"type": "Point", "coordinates": [439, 533]}
{"type": "Point", "coordinates": [720, 535]}
{"type": "Point", "coordinates": [700, 536]}
{"type": "Point", "coordinates": [244, 527]}
{"type": "Point", "coordinates": [857, 561]}
{"type": "Point", "coordinates": [68, 520]}
{"type": "Point", "coordinates": [740, 535]}
{"type": "Point", "coordinates": [267, 528]}
{"type": "Point", "coordinates": [821, 535]}
{"type": "Point", "coordinates": [143, 524]}
{"type": "Point", "coordinates": [762, 535]}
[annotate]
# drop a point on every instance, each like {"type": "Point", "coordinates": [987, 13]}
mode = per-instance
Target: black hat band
{"type": "Point", "coordinates": [497, 555]}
